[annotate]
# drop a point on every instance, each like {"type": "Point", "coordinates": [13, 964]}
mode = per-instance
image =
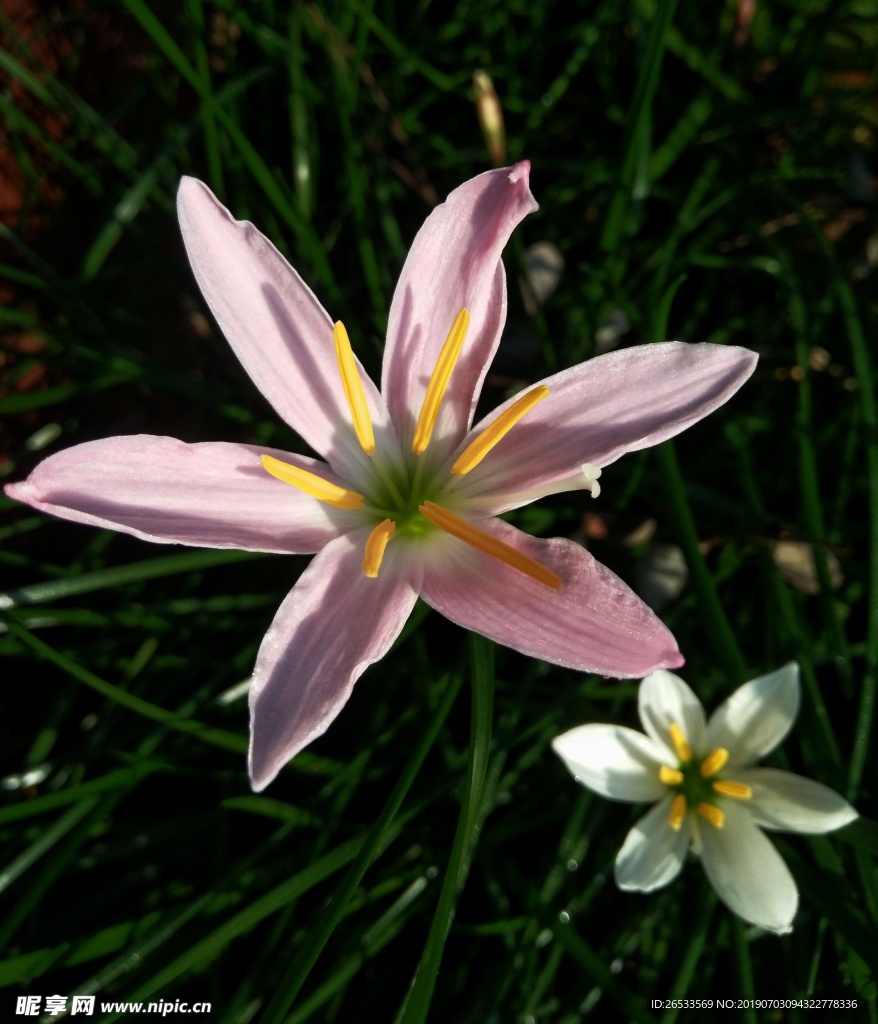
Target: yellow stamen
{"type": "Point", "coordinates": [678, 812]}
{"type": "Point", "coordinates": [714, 762]}
{"type": "Point", "coordinates": [473, 454]}
{"type": "Point", "coordinates": [375, 546]}
{"type": "Point", "coordinates": [353, 388]}
{"type": "Point", "coordinates": [736, 790]}
{"type": "Point", "coordinates": [439, 382]}
{"type": "Point", "coordinates": [670, 776]}
{"type": "Point", "coordinates": [712, 814]}
{"type": "Point", "coordinates": [312, 484]}
{"type": "Point", "coordinates": [681, 747]}
{"type": "Point", "coordinates": [460, 528]}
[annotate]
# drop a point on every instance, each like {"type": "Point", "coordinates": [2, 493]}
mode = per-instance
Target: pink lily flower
{"type": "Point", "coordinates": [405, 503]}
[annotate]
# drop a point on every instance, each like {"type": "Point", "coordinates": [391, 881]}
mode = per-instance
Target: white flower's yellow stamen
{"type": "Point", "coordinates": [714, 762]}
{"type": "Point", "coordinates": [473, 454]}
{"type": "Point", "coordinates": [439, 382]}
{"type": "Point", "coordinates": [681, 746]}
{"type": "Point", "coordinates": [353, 388]}
{"type": "Point", "coordinates": [469, 534]}
{"type": "Point", "coordinates": [670, 776]}
{"type": "Point", "coordinates": [312, 484]}
{"type": "Point", "coordinates": [736, 790]}
{"type": "Point", "coordinates": [375, 546]}
{"type": "Point", "coordinates": [712, 814]}
{"type": "Point", "coordinates": [678, 812]}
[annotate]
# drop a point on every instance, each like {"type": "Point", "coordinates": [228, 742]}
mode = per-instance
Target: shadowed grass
{"type": "Point", "coordinates": [706, 175]}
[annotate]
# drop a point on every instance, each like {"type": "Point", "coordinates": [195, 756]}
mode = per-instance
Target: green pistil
{"type": "Point", "coordinates": [399, 491]}
{"type": "Point", "coordinates": [696, 788]}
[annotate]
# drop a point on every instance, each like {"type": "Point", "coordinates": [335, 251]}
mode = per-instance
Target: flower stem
{"type": "Point", "coordinates": [312, 946]}
{"type": "Point", "coordinates": [416, 1006]}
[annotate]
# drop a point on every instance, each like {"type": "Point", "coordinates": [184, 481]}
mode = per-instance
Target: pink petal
{"type": "Point", "coordinates": [208, 495]}
{"type": "Point", "coordinates": [600, 409]}
{"type": "Point", "coordinates": [277, 328]}
{"type": "Point", "coordinates": [453, 262]}
{"type": "Point", "coordinates": [593, 623]}
{"type": "Point", "coordinates": [334, 624]}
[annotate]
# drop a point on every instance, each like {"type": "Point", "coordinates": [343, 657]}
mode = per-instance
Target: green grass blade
{"type": "Point", "coordinates": [239, 924]}
{"type": "Point", "coordinates": [205, 733]}
{"type": "Point", "coordinates": [417, 1004]}
{"type": "Point", "coordinates": [637, 125]}
{"type": "Point", "coordinates": [312, 945]}
{"type": "Point", "coordinates": [121, 575]}
{"type": "Point", "coordinates": [255, 163]}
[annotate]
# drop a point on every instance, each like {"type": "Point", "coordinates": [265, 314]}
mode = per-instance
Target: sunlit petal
{"type": "Point", "coordinates": [747, 872]}
{"type": "Point", "coordinates": [757, 716]}
{"type": "Point", "coordinates": [278, 330]}
{"type": "Point", "coordinates": [653, 853]}
{"type": "Point", "coordinates": [335, 622]}
{"type": "Point", "coordinates": [786, 802]}
{"type": "Point", "coordinates": [613, 761]}
{"type": "Point", "coordinates": [666, 701]}
{"type": "Point", "coordinates": [212, 495]}
{"type": "Point", "coordinates": [593, 622]}
{"type": "Point", "coordinates": [454, 263]}
{"type": "Point", "coordinates": [604, 407]}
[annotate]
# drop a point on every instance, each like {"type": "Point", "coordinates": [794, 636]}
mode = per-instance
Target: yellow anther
{"type": "Point", "coordinates": [312, 484]}
{"type": "Point", "coordinates": [714, 762]}
{"type": "Point", "coordinates": [678, 812]}
{"type": "Point", "coordinates": [439, 382]}
{"type": "Point", "coordinates": [736, 790]}
{"type": "Point", "coordinates": [353, 388]}
{"type": "Point", "coordinates": [681, 746]}
{"type": "Point", "coordinates": [712, 814]}
{"type": "Point", "coordinates": [460, 528]}
{"type": "Point", "coordinates": [473, 454]}
{"type": "Point", "coordinates": [375, 545]}
{"type": "Point", "coordinates": [670, 776]}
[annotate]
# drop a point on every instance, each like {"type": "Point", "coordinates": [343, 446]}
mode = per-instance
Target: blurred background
{"type": "Point", "coordinates": [706, 172]}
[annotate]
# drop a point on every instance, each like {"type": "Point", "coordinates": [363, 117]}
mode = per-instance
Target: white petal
{"type": "Point", "coordinates": [653, 853]}
{"type": "Point", "coordinates": [747, 872]}
{"type": "Point", "coordinates": [615, 762]}
{"type": "Point", "coordinates": [757, 716]}
{"type": "Point", "coordinates": [665, 700]}
{"type": "Point", "coordinates": [791, 803]}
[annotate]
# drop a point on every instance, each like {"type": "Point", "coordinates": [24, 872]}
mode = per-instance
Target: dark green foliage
{"type": "Point", "coordinates": [708, 182]}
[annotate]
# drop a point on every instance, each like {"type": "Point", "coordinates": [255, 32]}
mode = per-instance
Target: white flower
{"type": "Point", "coordinates": [708, 795]}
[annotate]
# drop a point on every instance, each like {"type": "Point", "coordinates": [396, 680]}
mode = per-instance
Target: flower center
{"type": "Point", "coordinates": [403, 501]}
{"type": "Point", "coordinates": [695, 785]}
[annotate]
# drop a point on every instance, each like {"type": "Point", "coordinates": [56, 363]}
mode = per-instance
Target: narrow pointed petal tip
{"type": "Point", "coordinates": [592, 415]}
{"type": "Point", "coordinates": [665, 700]}
{"type": "Point", "coordinates": [454, 263]}
{"type": "Point", "coordinates": [520, 171]}
{"type": "Point", "coordinates": [785, 802]}
{"type": "Point", "coordinates": [757, 716]}
{"type": "Point", "coordinates": [211, 494]}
